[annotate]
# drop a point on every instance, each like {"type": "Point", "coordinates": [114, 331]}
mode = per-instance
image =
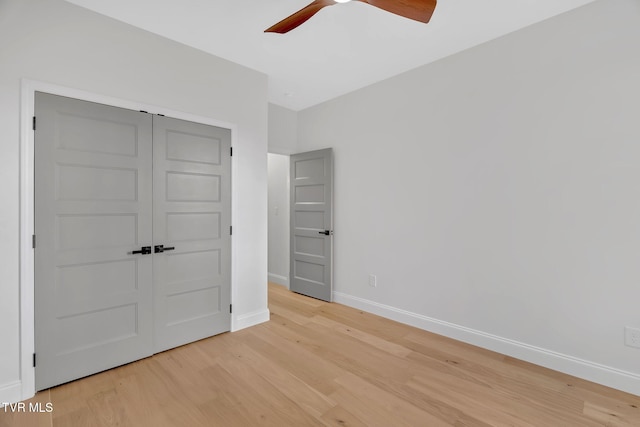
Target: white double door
{"type": "Point", "coordinates": [133, 246]}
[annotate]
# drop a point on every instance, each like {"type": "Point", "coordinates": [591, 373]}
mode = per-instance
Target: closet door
{"type": "Point", "coordinates": [191, 229]}
{"type": "Point", "coordinates": [93, 187]}
{"type": "Point", "coordinates": [133, 254]}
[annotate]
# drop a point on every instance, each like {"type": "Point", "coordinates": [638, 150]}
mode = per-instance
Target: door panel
{"type": "Point", "coordinates": [311, 214]}
{"type": "Point", "coordinates": [192, 213]}
{"type": "Point", "coordinates": [93, 192]}
{"type": "Point", "coordinates": [100, 197]}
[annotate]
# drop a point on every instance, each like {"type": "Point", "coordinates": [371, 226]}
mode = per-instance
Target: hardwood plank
{"type": "Point", "coordinates": [390, 409]}
{"type": "Point", "coordinates": [82, 417]}
{"type": "Point", "coordinates": [308, 398]}
{"type": "Point", "coordinates": [72, 397]}
{"type": "Point", "coordinates": [338, 416]}
{"type": "Point", "coordinates": [317, 363]}
{"type": "Point", "coordinates": [608, 417]}
{"type": "Point", "coordinates": [108, 409]}
{"type": "Point", "coordinates": [379, 343]}
{"type": "Point", "coordinates": [136, 398]}
{"type": "Point", "coordinates": [305, 364]}
{"type": "Point", "coordinates": [292, 315]}
{"type": "Point", "coordinates": [262, 396]}
{"type": "Point", "coordinates": [40, 418]}
{"type": "Point", "coordinates": [493, 373]}
{"type": "Point", "coordinates": [225, 411]}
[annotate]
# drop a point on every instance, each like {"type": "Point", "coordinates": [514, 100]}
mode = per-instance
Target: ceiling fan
{"type": "Point", "coordinates": [418, 10]}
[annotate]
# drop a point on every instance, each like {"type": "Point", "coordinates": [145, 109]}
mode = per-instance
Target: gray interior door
{"type": "Point", "coordinates": [93, 206]}
{"type": "Point", "coordinates": [132, 222]}
{"type": "Point", "coordinates": [311, 183]}
{"type": "Point", "coordinates": [192, 220]}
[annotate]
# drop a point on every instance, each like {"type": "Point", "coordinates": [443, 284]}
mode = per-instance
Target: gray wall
{"type": "Point", "coordinates": [496, 193]}
{"type": "Point", "coordinates": [53, 41]}
{"type": "Point", "coordinates": [283, 130]}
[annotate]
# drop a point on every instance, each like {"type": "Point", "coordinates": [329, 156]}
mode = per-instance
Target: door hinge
{"type": "Point", "coordinates": [231, 151]}
{"type": "Point", "coordinates": [34, 360]}
{"type": "Point", "coordinates": [231, 230]}
{"type": "Point", "coordinates": [230, 308]}
{"type": "Point", "coordinates": [33, 241]}
{"type": "Point", "coordinates": [34, 122]}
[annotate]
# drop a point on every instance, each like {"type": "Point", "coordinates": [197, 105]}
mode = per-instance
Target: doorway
{"type": "Point", "coordinates": [301, 237]}
{"type": "Point", "coordinates": [278, 218]}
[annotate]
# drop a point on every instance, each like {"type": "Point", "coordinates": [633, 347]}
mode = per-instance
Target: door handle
{"type": "Point", "coordinates": [145, 250]}
{"type": "Point", "coordinates": [326, 232]}
{"type": "Point", "coordinates": [160, 249]}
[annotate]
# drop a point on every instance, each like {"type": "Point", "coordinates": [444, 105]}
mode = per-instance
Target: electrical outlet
{"type": "Point", "coordinates": [373, 281]}
{"type": "Point", "coordinates": [632, 337]}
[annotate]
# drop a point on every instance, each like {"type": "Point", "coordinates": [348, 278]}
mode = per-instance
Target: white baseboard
{"type": "Point", "coordinates": [280, 280]}
{"type": "Point", "coordinates": [250, 319]}
{"type": "Point", "coordinates": [601, 374]}
{"type": "Point", "coordinates": [11, 392]}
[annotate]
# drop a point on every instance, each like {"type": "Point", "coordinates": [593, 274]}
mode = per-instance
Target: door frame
{"type": "Point", "coordinates": [28, 88]}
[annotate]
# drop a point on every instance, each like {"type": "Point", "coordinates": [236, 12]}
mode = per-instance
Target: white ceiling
{"type": "Point", "coordinates": [342, 48]}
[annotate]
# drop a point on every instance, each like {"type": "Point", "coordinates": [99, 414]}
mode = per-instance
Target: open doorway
{"type": "Point", "coordinates": [278, 219]}
{"type": "Point", "coordinates": [301, 235]}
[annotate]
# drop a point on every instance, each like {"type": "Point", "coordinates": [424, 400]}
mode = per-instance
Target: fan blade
{"type": "Point", "coordinates": [418, 10]}
{"type": "Point", "coordinates": [298, 18]}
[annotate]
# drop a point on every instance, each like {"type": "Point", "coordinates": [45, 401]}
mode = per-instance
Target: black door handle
{"type": "Point", "coordinates": [160, 249]}
{"type": "Point", "coordinates": [145, 250]}
{"type": "Point", "coordinates": [326, 232]}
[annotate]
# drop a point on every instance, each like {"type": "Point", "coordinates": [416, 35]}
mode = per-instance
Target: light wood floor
{"type": "Point", "coordinates": [318, 364]}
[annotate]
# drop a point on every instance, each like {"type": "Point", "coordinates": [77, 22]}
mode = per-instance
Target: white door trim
{"type": "Point", "coordinates": [27, 191]}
